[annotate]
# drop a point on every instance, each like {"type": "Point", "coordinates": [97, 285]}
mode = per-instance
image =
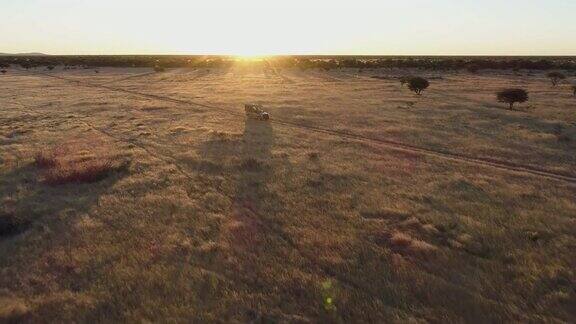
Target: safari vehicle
{"type": "Point", "coordinates": [256, 111]}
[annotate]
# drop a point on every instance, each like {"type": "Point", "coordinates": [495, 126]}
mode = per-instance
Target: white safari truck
{"type": "Point", "coordinates": [256, 111]}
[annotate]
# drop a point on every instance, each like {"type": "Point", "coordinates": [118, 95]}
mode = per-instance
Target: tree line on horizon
{"type": "Point", "coordinates": [472, 64]}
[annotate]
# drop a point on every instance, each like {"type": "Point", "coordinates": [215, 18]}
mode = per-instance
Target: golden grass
{"type": "Point", "coordinates": [70, 163]}
{"type": "Point", "coordinates": [13, 310]}
{"type": "Point", "coordinates": [222, 219]}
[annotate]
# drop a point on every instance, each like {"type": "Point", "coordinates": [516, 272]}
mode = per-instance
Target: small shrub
{"type": "Point", "coordinates": [44, 160]}
{"type": "Point", "coordinates": [418, 84]}
{"type": "Point", "coordinates": [11, 225]}
{"type": "Point", "coordinates": [251, 164]}
{"type": "Point", "coordinates": [73, 164]}
{"type": "Point", "coordinates": [3, 71]}
{"type": "Point", "coordinates": [314, 156]}
{"type": "Point", "coordinates": [512, 96]}
{"type": "Point", "coordinates": [159, 69]}
{"type": "Point", "coordinates": [50, 67]}
{"type": "Point", "coordinates": [574, 90]}
{"type": "Point", "coordinates": [83, 172]}
{"type": "Point", "coordinates": [564, 138]}
{"type": "Point", "coordinates": [216, 202]}
{"type": "Point", "coordinates": [556, 77]}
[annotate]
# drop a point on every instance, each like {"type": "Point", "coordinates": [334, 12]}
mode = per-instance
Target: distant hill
{"type": "Point", "coordinates": [23, 54]}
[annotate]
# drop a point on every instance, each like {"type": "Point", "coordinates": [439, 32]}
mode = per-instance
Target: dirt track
{"type": "Point", "coordinates": [453, 156]}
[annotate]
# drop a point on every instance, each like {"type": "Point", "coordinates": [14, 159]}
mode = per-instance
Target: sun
{"type": "Point", "coordinates": [249, 57]}
{"type": "Point", "coordinates": [253, 53]}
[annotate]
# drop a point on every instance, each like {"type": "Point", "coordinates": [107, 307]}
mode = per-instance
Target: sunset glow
{"type": "Point", "coordinates": [258, 27]}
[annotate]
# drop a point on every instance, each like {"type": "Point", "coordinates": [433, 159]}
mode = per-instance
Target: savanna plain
{"type": "Point", "coordinates": [128, 194]}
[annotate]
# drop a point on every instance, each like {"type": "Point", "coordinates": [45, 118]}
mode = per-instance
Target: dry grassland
{"type": "Point", "coordinates": [127, 195]}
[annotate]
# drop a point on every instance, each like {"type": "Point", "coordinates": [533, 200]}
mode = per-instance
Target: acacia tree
{"type": "Point", "coordinates": [556, 77]}
{"type": "Point", "coordinates": [418, 84]}
{"type": "Point", "coordinates": [512, 96]}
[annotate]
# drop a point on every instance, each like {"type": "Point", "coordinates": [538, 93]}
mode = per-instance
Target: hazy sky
{"type": "Point", "coordinates": [417, 27]}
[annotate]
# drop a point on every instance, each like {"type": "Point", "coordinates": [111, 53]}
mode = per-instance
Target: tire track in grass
{"type": "Point", "coordinates": [445, 155]}
{"type": "Point", "coordinates": [275, 71]}
{"type": "Point", "coordinates": [328, 78]}
{"type": "Point", "coordinates": [128, 78]}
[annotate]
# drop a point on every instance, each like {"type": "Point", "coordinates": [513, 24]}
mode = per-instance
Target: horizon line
{"type": "Point", "coordinates": [288, 54]}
